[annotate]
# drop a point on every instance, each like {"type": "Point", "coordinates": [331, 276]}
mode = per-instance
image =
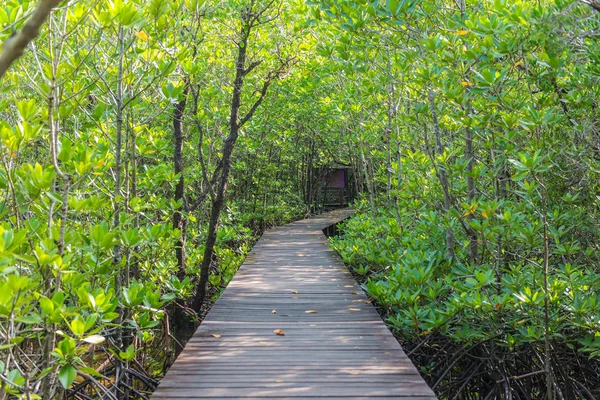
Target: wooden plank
{"type": "Point", "coordinates": [341, 351]}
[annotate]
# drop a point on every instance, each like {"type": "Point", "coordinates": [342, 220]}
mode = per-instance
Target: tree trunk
{"type": "Point", "coordinates": [228, 146]}
{"type": "Point", "coordinates": [473, 246]}
{"type": "Point", "coordinates": [368, 179]}
{"type": "Point", "coordinates": [249, 18]}
{"type": "Point", "coordinates": [15, 46]}
{"type": "Point", "coordinates": [442, 173]}
{"type": "Point", "coordinates": [179, 219]}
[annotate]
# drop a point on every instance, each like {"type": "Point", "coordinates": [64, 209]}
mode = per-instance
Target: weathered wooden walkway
{"type": "Point", "coordinates": [335, 345]}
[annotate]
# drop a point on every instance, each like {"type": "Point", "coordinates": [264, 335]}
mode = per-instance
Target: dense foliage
{"type": "Point", "coordinates": [145, 145]}
{"type": "Point", "coordinates": [112, 127]}
{"type": "Point", "coordinates": [481, 242]}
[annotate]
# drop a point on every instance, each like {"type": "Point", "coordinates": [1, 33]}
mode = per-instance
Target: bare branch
{"type": "Point", "coordinates": [14, 47]}
{"type": "Point", "coordinates": [271, 77]}
{"type": "Point", "coordinates": [258, 102]}
{"type": "Point", "coordinates": [251, 67]}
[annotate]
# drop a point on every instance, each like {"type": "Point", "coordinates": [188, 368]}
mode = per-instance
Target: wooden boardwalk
{"type": "Point", "coordinates": [335, 345]}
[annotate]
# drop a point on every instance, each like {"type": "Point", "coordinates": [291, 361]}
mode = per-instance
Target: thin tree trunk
{"type": "Point", "coordinates": [367, 178]}
{"type": "Point", "coordinates": [118, 147]}
{"type": "Point", "coordinates": [550, 394]}
{"type": "Point", "coordinates": [250, 18]}
{"type": "Point", "coordinates": [228, 146]}
{"type": "Point", "coordinates": [441, 169]}
{"type": "Point", "coordinates": [119, 276]}
{"type": "Point", "coordinates": [179, 219]}
{"type": "Point", "coordinates": [48, 384]}
{"type": "Point", "coordinates": [388, 133]}
{"type": "Point", "coordinates": [473, 246]}
{"type": "Point", "coordinates": [135, 270]}
{"type": "Point", "coordinates": [399, 178]}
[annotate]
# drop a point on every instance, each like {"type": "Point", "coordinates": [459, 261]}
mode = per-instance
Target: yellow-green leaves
{"type": "Point", "coordinates": [172, 92]}
{"type": "Point", "coordinates": [27, 109]}
{"type": "Point", "coordinates": [77, 326]}
{"type": "Point", "coordinates": [14, 137]}
{"type": "Point", "coordinates": [125, 13]}
{"type": "Point", "coordinates": [100, 236]}
{"type": "Point", "coordinates": [128, 354]}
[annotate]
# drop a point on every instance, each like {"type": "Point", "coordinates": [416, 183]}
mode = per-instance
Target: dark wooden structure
{"type": "Point", "coordinates": [335, 345]}
{"type": "Point", "coordinates": [337, 189]}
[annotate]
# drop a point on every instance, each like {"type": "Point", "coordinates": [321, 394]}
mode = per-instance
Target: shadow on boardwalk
{"type": "Point", "coordinates": [331, 344]}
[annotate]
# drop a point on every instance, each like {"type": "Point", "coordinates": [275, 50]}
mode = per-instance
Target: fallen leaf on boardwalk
{"type": "Point", "coordinates": [264, 343]}
{"type": "Point", "coordinates": [215, 335]}
{"type": "Point", "coordinates": [279, 381]}
{"type": "Point", "coordinates": [311, 311]}
{"type": "Point", "coordinates": [274, 312]}
{"type": "Point", "coordinates": [294, 291]}
{"type": "Point", "coordinates": [354, 292]}
{"type": "Point", "coordinates": [353, 309]}
{"type": "Point", "coordinates": [279, 332]}
{"type": "Point", "coordinates": [367, 301]}
{"type": "Point", "coordinates": [353, 372]}
{"type": "Point", "coordinates": [348, 286]}
{"type": "Point", "coordinates": [358, 301]}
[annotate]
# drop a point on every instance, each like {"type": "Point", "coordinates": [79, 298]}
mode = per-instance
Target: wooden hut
{"type": "Point", "coordinates": [336, 188]}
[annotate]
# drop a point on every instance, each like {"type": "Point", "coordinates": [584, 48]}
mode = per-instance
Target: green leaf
{"type": "Point", "coordinates": [67, 375]}
{"type": "Point", "coordinates": [47, 305]}
{"type": "Point", "coordinates": [77, 327]}
{"type": "Point", "coordinates": [90, 371]}
{"type": "Point", "coordinates": [129, 354]}
{"type": "Point", "coordinates": [29, 319]}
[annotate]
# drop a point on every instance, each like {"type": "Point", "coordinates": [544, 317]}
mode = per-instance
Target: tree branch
{"type": "Point", "coordinates": [595, 4]}
{"type": "Point", "coordinates": [263, 94]}
{"type": "Point", "coordinates": [251, 67]}
{"type": "Point", "coordinates": [14, 47]}
{"type": "Point", "coordinates": [271, 77]}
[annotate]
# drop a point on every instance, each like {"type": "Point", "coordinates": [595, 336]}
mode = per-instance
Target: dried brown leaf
{"type": "Point", "coordinates": [215, 335]}
{"type": "Point", "coordinates": [279, 332]}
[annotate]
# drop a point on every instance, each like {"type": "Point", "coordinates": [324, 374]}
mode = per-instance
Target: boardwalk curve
{"type": "Point", "coordinates": [335, 346]}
